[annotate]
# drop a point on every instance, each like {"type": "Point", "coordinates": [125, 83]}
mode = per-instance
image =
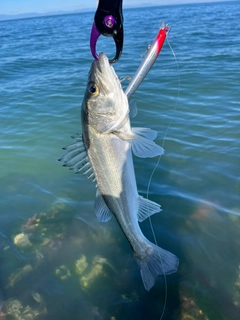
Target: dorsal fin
{"type": "Point", "coordinates": [76, 158]}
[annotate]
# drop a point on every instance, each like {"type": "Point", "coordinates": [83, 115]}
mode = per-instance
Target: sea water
{"type": "Point", "coordinates": [56, 260]}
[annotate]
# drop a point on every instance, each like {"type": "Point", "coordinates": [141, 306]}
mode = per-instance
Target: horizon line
{"type": "Point", "coordinates": [18, 16]}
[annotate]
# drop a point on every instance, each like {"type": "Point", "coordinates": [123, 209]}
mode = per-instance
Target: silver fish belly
{"type": "Point", "coordinates": [104, 153]}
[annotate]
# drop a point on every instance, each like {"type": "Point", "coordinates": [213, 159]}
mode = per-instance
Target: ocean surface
{"type": "Point", "coordinates": [56, 261]}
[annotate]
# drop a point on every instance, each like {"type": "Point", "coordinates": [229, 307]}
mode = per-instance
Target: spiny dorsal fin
{"type": "Point", "coordinates": [76, 158]}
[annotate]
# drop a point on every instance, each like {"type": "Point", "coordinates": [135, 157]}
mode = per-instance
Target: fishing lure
{"type": "Point", "coordinates": [148, 61]}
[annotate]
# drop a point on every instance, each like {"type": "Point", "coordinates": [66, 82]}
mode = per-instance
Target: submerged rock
{"type": "Point", "coordinates": [81, 265]}
{"type": "Point", "coordinates": [93, 272]}
{"type": "Point", "coordinates": [22, 240]}
{"type": "Point", "coordinates": [15, 309]}
{"type": "Point", "coordinates": [63, 272]}
{"type": "Point", "coordinates": [236, 290]}
{"type": "Point", "coordinates": [19, 274]}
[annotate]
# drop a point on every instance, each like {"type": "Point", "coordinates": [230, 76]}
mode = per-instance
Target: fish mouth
{"type": "Point", "coordinates": [104, 64]}
{"type": "Point", "coordinates": [103, 74]}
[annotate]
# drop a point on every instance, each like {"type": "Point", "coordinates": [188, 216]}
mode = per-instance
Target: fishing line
{"type": "Point", "coordinates": [125, 78]}
{"type": "Point", "coordinates": [154, 169]}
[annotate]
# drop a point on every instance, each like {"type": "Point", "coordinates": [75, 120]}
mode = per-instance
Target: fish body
{"type": "Point", "coordinates": [104, 153]}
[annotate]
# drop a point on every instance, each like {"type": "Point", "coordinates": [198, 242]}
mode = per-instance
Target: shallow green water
{"type": "Point", "coordinates": [57, 261]}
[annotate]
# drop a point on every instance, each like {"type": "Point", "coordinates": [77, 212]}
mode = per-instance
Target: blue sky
{"type": "Point", "coordinates": [43, 6]}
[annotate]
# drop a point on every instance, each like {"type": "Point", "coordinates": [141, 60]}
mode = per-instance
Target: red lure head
{"type": "Point", "coordinates": [160, 38]}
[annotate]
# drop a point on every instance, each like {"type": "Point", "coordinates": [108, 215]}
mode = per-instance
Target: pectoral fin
{"type": "Point", "coordinates": [145, 132]}
{"type": "Point", "coordinates": [101, 209]}
{"type": "Point", "coordinates": [146, 208]}
{"type": "Point", "coordinates": [142, 147]}
{"type": "Point", "coordinates": [76, 158]}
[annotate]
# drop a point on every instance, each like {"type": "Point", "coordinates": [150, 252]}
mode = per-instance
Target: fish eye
{"type": "Point", "coordinates": [93, 89]}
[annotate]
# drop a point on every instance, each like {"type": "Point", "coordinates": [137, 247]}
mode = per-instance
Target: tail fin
{"type": "Point", "coordinates": [157, 261]}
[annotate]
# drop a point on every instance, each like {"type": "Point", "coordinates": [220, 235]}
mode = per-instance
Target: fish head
{"type": "Point", "coordinates": [105, 105]}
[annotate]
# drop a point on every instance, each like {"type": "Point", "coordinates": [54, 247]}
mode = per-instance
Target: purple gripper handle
{"type": "Point", "coordinates": [95, 34]}
{"type": "Point", "coordinates": [108, 24]}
